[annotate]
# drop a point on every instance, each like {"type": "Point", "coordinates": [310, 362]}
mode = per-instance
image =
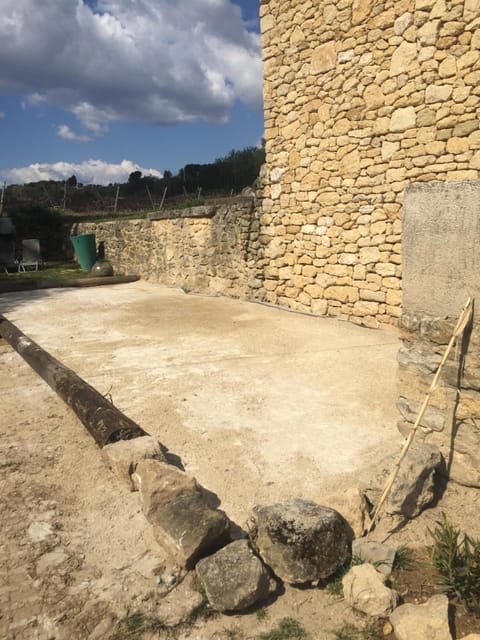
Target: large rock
{"type": "Point", "coordinates": [414, 487]}
{"type": "Point", "coordinates": [301, 540]}
{"type": "Point", "coordinates": [364, 590]}
{"type": "Point", "coordinates": [123, 456]}
{"type": "Point", "coordinates": [380, 555]}
{"type": "Point", "coordinates": [234, 578]}
{"type": "Point", "coordinates": [422, 621]}
{"type": "Point", "coordinates": [175, 504]}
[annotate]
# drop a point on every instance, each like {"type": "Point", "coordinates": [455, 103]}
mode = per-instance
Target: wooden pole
{"type": "Point", "coordinates": [2, 196]}
{"type": "Point", "coordinates": [149, 195]}
{"type": "Point", "coordinates": [116, 199]}
{"type": "Point", "coordinates": [163, 197]}
{"type": "Point", "coordinates": [101, 418]}
{"type": "Point", "coordinates": [462, 322]}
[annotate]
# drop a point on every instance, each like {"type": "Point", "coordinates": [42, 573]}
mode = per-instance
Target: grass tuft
{"type": "Point", "coordinates": [287, 629]}
{"type": "Point", "coordinates": [351, 632]}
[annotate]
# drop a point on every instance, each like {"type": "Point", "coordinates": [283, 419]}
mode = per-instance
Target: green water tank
{"type": "Point", "coordinates": [85, 249]}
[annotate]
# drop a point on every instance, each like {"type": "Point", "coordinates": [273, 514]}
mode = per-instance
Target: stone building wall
{"type": "Point", "coordinates": [362, 97]}
{"type": "Point", "coordinates": [209, 249]}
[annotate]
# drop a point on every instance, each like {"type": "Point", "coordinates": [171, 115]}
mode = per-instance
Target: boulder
{"type": "Point", "coordinates": [301, 540]}
{"type": "Point", "coordinates": [414, 487]}
{"type": "Point", "coordinates": [234, 578]}
{"type": "Point", "coordinates": [364, 590]}
{"type": "Point", "coordinates": [380, 555]}
{"type": "Point", "coordinates": [422, 621]}
{"type": "Point", "coordinates": [175, 504]}
{"type": "Point", "coordinates": [123, 456]}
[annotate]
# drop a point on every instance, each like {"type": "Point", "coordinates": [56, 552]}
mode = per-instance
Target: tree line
{"type": "Point", "coordinates": [223, 177]}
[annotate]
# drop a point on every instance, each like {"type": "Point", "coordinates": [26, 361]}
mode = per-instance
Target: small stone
{"type": "Point", "coordinates": [41, 532]}
{"type": "Point", "coordinates": [422, 621]}
{"type": "Point", "coordinates": [123, 456]}
{"type": "Point", "coordinates": [234, 578]}
{"type": "Point", "coordinates": [380, 555]}
{"type": "Point", "coordinates": [365, 591]}
{"type": "Point", "coordinates": [354, 508]}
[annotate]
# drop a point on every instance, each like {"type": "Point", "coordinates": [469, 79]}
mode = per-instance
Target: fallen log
{"type": "Point", "coordinates": [100, 417]}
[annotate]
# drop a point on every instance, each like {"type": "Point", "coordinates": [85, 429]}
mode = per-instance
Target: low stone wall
{"type": "Point", "coordinates": [210, 249]}
{"type": "Point", "coordinates": [441, 260]}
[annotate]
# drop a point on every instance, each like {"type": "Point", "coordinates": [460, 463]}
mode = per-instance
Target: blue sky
{"type": "Point", "coordinates": [100, 88]}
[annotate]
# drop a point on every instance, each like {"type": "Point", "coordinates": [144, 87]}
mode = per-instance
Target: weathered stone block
{"type": "Point", "coordinates": [175, 504]}
{"type": "Point", "coordinates": [364, 589]}
{"type": "Point", "coordinates": [380, 555]}
{"type": "Point", "coordinates": [301, 540]}
{"type": "Point", "coordinates": [123, 456]}
{"type": "Point", "coordinates": [420, 621]}
{"type": "Point", "coordinates": [234, 578]}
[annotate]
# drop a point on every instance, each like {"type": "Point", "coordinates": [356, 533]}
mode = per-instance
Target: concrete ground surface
{"type": "Point", "coordinates": [259, 404]}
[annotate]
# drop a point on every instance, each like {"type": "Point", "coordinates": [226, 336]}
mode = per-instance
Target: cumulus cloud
{"type": "Point", "coordinates": [87, 172]}
{"type": "Point", "coordinates": [64, 131]}
{"type": "Point", "coordinates": [156, 61]}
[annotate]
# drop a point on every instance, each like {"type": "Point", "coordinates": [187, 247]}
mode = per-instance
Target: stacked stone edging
{"type": "Point", "coordinates": [361, 98]}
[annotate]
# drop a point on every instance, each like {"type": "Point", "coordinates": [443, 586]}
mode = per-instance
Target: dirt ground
{"type": "Point", "coordinates": [258, 404]}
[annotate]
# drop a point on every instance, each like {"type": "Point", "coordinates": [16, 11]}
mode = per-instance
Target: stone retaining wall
{"type": "Point", "coordinates": [361, 99]}
{"type": "Point", "coordinates": [210, 249]}
{"type": "Point", "coordinates": [442, 260]}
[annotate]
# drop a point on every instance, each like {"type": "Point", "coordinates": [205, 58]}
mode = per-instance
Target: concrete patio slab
{"type": "Point", "coordinates": [260, 404]}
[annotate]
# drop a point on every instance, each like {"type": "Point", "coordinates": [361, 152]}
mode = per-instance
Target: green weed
{"type": "Point", "coordinates": [403, 559]}
{"type": "Point", "coordinates": [261, 614]}
{"type": "Point", "coordinates": [456, 559]}
{"type": "Point", "coordinates": [11, 466]}
{"type": "Point", "coordinates": [201, 612]}
{"type": "Point", "coordinates": [287, 629]}
{"type": "Point", "coordinates": [135, 624]}
{"type": "Point", "coordinates": [351, 632]}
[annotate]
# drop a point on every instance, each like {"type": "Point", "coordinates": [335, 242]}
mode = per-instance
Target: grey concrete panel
{"type": "Point", "coordinates": [441, 246]}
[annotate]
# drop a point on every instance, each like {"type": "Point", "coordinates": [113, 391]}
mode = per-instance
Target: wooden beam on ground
{"type": "Point", "coordinates": [101, 418]}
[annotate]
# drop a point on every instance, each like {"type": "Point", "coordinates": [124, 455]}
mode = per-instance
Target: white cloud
{"type": "Point", "coordinates": [2, 114]}
{"type": "Point", "coordinates": [156, 61]}
{"type": "Point", "coordinates": [87, 172]}
{"type": "Point", "coordinates": [64, 131]}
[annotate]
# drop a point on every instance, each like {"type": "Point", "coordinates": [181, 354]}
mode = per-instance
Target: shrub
{"type": "Point", "coordinates": [456, 559]}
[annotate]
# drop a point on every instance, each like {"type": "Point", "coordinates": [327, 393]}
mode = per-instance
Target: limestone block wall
{"type": "Point", "coordinates": [209, 249]}
{"type": "Point", "coordinates": [362, 97]}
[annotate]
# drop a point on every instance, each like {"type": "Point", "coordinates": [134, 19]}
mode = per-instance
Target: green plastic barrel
{"type": "Point", "coordinates": [85, 248]}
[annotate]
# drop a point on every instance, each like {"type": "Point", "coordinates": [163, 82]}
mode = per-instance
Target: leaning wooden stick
{"type": "Point", "coordinates": [462, 322]}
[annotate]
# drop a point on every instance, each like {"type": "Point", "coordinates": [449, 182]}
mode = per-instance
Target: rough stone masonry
{"type": "Point", "coordinates": [361, 99]}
